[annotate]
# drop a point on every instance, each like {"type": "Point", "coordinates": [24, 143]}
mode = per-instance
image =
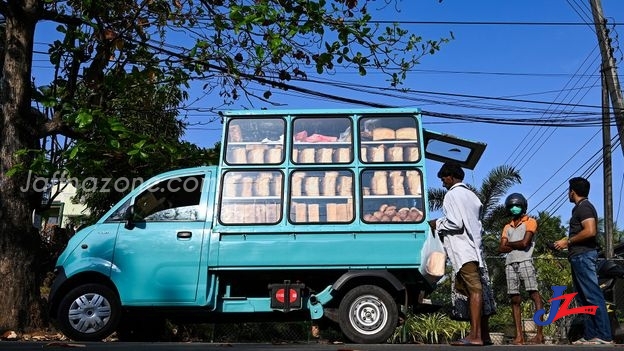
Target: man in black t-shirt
{"type": "Point", "coordinates": [582, 254]}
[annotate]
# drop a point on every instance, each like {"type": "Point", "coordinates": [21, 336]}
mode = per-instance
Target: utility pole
{"type": "Point", "coordinates": [607, 169]}
{"type": "Point", "coordinates": [611, 83]}
{"type": "Point", "coordinates": [609, 68]}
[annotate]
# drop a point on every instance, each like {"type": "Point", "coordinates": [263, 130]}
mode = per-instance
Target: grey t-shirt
{"type": "Point", "coordinates": [582, 211]}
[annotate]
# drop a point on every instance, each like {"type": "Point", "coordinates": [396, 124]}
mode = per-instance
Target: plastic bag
{"type": "Point", "coordinates": [433, 258]}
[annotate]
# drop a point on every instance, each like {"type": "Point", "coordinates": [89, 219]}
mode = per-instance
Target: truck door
{"type": "Point", "coordinates": [157, 258]}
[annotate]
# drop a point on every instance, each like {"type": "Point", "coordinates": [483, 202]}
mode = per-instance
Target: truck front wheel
{"type": "Point", "coordinates": [368, 315]}
{"type": "Point", "coordinates": [89, 312]}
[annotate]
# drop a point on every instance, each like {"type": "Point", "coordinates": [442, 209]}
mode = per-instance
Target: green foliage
{"type": "Point", "coordinates": [501, 319]}
{"type": "Point", "coordinates": [430, 328]}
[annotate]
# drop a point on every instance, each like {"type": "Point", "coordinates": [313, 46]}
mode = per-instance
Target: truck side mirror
{"type": "Point", "coordinates": [129, 217]}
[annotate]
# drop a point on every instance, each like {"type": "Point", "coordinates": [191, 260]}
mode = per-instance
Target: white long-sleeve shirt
{"type": "Point", "coordinates": [461, 221]}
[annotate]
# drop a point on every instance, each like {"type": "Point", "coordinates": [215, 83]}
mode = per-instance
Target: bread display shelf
{"type": "Point", "coordinates": [377, 142]}
{"type": "Point", "coordinates": [322, 197]}
{"type": "Point", "coordinates": [374, 197]}
{"type": "Point", "coordinates": [339, 143]}
{"type": "Point", "coordinates": [231, 143]}
{"type": "Point", "coordinates": [251, 198]}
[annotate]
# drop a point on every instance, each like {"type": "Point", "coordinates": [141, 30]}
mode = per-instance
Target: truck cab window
{"type": "Point", "coordinates": [175, 199]}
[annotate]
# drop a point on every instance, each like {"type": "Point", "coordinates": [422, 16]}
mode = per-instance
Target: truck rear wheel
{"type": "Point", "coordinates": [89, 312]}
{"type": "Point", "coordinates": [368, 315]}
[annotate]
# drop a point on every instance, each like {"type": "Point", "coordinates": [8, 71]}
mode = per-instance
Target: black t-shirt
{"type": "Point", "coordinates": [581, 212]}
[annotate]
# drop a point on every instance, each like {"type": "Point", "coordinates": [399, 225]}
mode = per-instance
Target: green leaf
{"type": "Point", "coordinates": [84, 119]}
{"type": "Point", "coordinates": [140, 144]}
{"type": "Point", "coordinates": [73, 152]}
{"type": "Point", "coordinates": [115, 143]}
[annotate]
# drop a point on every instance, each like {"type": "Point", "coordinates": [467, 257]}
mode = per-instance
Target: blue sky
{"type": "Point", "coordinates": [533, 60]}
{"type": "Point", "coordinates": [492, 69]}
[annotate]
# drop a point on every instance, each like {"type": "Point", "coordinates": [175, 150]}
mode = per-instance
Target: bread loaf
{"type": "Point", "coordinates": [396, 185]}
{"type": "Point", "coordinates": [345, 186]}
{"type": "Point", "coordinates": [306, 155]}
{"type": "Point", "coordinates": [313, 213]}
{"type": "Point", "coordinates": [412, 154]}
{"type": "Point", "coordinates": [364, 154]}
{"type": "Point", "coordinates": [247, 187]}
{"type": "Point", "coordinates": [379, 183]}
{"type": "Point", "coordinates": [342, 155]}
{"type": "Point", "coordinates": [239, 155]}
{"type": "Point", "coordinates": [383, 134]}
{"type": "Point", "coordinates": [324, 155]}
{"type": "Point", "coordinates": [276, 185]}
{"type": "Point", "coordinates": [395, 154]}
{"type": "Point", "coordinates": [406, 134]}
{"type": "Point", "coordinates": [262, 184]}
{"type": "Point", "coordinates": [377, 154]}
{"type": "Point", "coordinates": [301, 213]}
{"type": "Point", "coordinates": [436, 264]}
{"type": "Point", "coordinates": [414, 183]}
{"type": "Point", "coordinates": [231, 184]}
{"type": "Point", "coordinates": [228, 214]}
{"type": "Point", "coordinates": [331, 212]}
{"type": "Point", "coordinates": [415, 215]}
{"type": "Point", "coordinates": [295, 155]}
{"type": "Point", "coordinates": [249, 213]}
{"type": "Point", "coordinates": [312, 186]}
{"type": "Point", "coordinates": [296, 186]}
{"type": "Point", "coordinates": [342, 214]}
{"type": "Point", "coordinates": [274, 155]}
{"type": "Point", "coordinates": [255, 156]}
{"type": "Point", "coordinates": [329, 183]}
{"type": "Point", "coordinates": [260, 213]}
{"type": "Point", "coordinates": [272, 213]}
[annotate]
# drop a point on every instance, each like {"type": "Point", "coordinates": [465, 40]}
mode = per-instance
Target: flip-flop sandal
{"type": "Point", "coordinates": [465, 342]}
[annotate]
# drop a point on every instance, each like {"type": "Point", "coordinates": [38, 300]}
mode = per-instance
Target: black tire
{"type": "Point", "coordinates": [368, 315]}
{"type": "Point", "coordinates": [89, 312]}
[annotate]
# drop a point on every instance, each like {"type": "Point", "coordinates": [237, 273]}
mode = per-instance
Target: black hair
{"type": "Point", "coordinates": [452, 169]}
{"type": "Point", "coordinates": [580, 186]}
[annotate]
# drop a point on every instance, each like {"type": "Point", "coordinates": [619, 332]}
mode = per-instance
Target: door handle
{"type": "Point", "coordinates": [184, 235]}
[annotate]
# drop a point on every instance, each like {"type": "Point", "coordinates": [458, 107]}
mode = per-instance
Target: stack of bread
{"type": "Point", "coordinates": [379, 183]}
{"type": "Point", "coordinates": [414, 183]}
{"type": "Point", "coordinates": [389, 213]}
{"type": "Point", "coordinates": [396, 183]}
{"type": "Point", "coordinates": [324, 155]}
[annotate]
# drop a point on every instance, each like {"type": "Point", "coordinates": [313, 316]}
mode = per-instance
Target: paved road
{"type": "Point", "coordinates": [122, 346]}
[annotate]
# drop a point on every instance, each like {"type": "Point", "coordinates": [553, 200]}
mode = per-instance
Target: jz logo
{"type": "Point", "coordinates": [560, 307]}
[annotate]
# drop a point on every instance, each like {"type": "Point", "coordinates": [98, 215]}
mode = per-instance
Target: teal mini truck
{"type": "Point", "coordinates": [310, 214]}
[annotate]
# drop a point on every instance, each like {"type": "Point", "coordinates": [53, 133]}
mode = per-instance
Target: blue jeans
{"type": "Point", "coordinates": [585, 282]}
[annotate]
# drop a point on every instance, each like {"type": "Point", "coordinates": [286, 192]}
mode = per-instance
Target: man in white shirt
{"type": "Point", "coordinates": [460, 228]}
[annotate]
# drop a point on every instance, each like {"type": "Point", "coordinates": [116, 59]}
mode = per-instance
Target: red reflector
{"type": "Point", "coordinates": [279, 295]}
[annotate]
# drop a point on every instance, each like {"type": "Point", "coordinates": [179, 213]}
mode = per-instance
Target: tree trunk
{"type": "Point", "coordinates": [20, 309]}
